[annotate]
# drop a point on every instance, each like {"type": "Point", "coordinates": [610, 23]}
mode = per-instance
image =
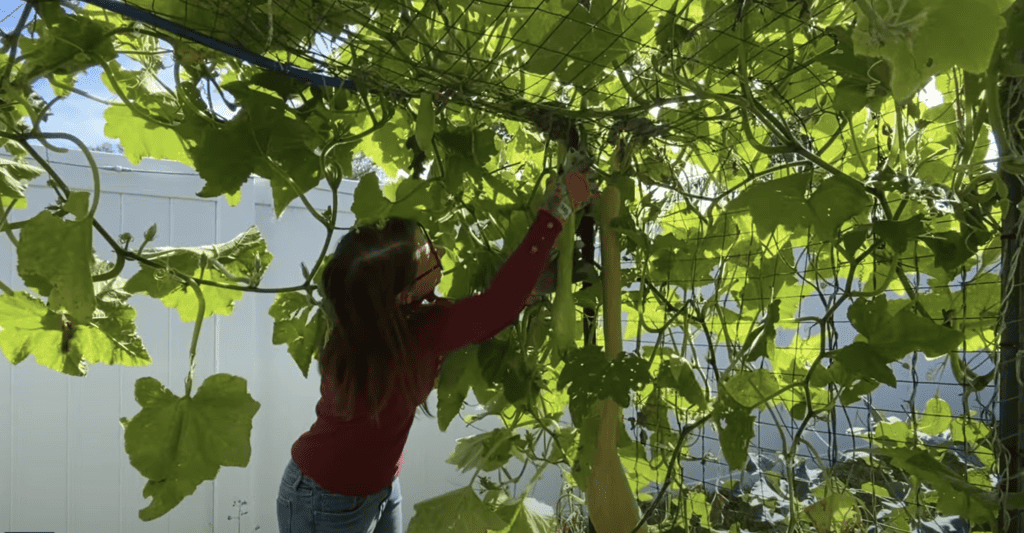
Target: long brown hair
{"type": "Point", "coordinates": [370, 346]}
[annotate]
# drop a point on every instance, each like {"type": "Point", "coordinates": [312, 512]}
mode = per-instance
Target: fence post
{"type": "Point", "coordinates": [1011, 462]}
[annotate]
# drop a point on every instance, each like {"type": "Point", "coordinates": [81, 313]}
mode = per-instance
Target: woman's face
{"type": "Point", "coordinates": [428, 269]}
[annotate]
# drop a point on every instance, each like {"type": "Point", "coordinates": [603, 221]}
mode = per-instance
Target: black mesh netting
{"type": "Point", "coordinates": [683, 77]}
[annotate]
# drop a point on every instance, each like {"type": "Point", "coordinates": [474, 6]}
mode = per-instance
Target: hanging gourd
{"type": "Point", "coordinates": [612, 506]}
{"type": "Point", "coordinates": [563, 310]}
{"type": "Point", "coordinates": [563, 314]}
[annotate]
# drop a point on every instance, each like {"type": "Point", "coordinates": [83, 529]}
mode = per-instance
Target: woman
{"type": "Point", "coordinates": [390, 335]}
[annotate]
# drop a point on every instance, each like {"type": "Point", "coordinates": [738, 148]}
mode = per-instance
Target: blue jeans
{"type": "Point", "coordinates": [305, 507]}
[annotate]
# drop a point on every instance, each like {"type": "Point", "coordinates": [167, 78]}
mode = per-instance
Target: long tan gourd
{"type": "Point", "coordinates": [611, 504]}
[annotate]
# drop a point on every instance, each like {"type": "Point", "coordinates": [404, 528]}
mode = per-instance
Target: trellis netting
{"type": "Point", "coordinates": [813, 241]}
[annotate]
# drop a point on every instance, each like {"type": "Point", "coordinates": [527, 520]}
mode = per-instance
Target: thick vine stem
{"type": "Point", "coordinates": [764, 149]}
{"type": "Point", "coordinates": [6, 78]}
{"type": "Point", "coordinates": [97, 186]}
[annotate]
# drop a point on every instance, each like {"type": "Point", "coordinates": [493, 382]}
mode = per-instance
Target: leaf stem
{"type": "Point", "coordinates": [195, 333]}
{"type": "Point", "coordinates": [6, 290]}
{"type": "Point", "coordinates": [80, 92]}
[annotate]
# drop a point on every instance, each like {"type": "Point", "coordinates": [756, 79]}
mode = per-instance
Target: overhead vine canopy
{"type": "Point", "coordinates": [602, 64]}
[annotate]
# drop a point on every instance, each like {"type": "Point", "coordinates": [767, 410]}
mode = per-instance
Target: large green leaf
{"type": "Point", "coordinates": [177, 443]}
{"type": "Point", "coordinates": [140, 138]}
{"type": "Point", "coordinates": [835, 201]}
{"type": "Point", "coordinates": [920, 38]}
{"type": "Point", "coordinates": [487, 451]}
{"type": "Point", "coordinates": [245, 257]}
{"type": "Point", "coordinates": [369, 204]}
{"type": "Point", "coordinates": [894, 336]}
{"type": "Point", "coordinates": [55, 258]}
{"type": "Point", "coordinates": [751, 388]}
{"type": "Point", "coordinates": [776, 202]}
{"type": "Point", "coordinates": [861, 361]}
{"type": "Point", "coordinates": [458, 511]}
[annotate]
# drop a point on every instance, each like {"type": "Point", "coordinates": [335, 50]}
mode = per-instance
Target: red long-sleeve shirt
{"type": "Point", "coordinates": [357, 457]}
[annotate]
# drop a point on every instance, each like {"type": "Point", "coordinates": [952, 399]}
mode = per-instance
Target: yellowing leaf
{"type": "Point", "coordinates": [936, 418]}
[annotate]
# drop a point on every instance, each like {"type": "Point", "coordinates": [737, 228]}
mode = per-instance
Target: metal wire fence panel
{"type": "Point", "coordinates": [787, 266]}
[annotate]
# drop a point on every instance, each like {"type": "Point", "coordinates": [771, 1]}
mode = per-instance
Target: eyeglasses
{"type": "Point", "coordinates": [433, 251]}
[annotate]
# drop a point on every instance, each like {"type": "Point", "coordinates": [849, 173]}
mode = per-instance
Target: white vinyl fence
{"type": "Point", "coordinates": [63, 467]}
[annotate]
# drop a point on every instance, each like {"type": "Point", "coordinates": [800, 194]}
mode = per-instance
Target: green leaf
{"type": "Point", "coordinates": [77, 204]}
{"type": "Point", "coordinates": [678, 375]}
{"type": "Point", "coordinates": [522, 520]}
{"type": "Point", "coordinates": [766, 279]}
{"type": "Point", "coordinates": [897, 234]}
{"type": "Point", "coordinates": [735, 437]}
{"type": "Point", "coordinates": [112, 335]}
{"type": "Point", "coordinates": [15, 177]}
{"type": "Point", "coordinates": [467, 151]}
{"type": "Point", "coordinates": [67, 44]}
{"type": "Point", "coordinates": [141, 138]}
{"type": "Point", "coordinates": [293, 326]}
{"type": "Point", "coordinates": [55, 258]}
{"type": "Point", "coordinates": [751, 388]}
{"type": "Point", "coordinates": [951, 250]}
{"type": "Point", "coordinates": [386, 146]}
{"type": "Point", "coordinates": [837, 512]}
{"type": "Point", "coordinates": [860, 361]}
{"type": "Point", "coordinates": [937, 417]}
{"type": "Point", "coordinates": [413, 200]}
{"type": "Point", "coordinates": [177, 443]}
{"type": "Point", "coordinates": [458, 511]}
{"type": "Point", "coordinates": [957, 497]}
{"type": "Point", "coordinates": [368, 203]}
{"type": "Point", "coordinates": [894, 336]}
{"type": "Point", "coordinates": [459, 372]}
{"type": "Point", "coordinates": [670, 33]}
{"type": "Point", "coordinates": [225, 157]}
{"type": "Point", "coordinates": [896, 432]}
{"type": "Point", "coordinates": [927, 37]}
{"type": "Point", "coordinates": [774, 203]}
{"type": "Point", "coordinates": [487, 451]}
{"type": "Point", "coordinates": [589, 376]}
{"type": "Point", "coordinates": [835, 201]}
{"type": "Point", "coordinates": [27, 327]}
{"type": "Point", "coordinates": [244, 257]}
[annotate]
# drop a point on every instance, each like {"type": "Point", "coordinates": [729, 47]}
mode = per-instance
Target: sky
{"type": "Point", "coordinates": [76, 114]}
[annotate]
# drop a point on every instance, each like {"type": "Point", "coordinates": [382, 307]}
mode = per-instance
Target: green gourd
{"type": "Point", "coordinates": [563, 314]}
{"type": "Point", "coordinates": [610, 500]}
{"type": "Point", "coordinates": [425, 123]}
